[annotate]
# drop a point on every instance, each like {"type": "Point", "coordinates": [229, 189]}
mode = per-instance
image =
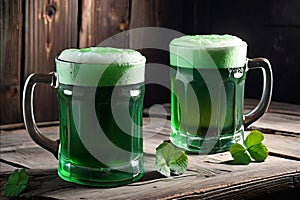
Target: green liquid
{"type": "Point", "coordinates": [207, 108]}
{"type": "Point", "coordinates": [112, 168]}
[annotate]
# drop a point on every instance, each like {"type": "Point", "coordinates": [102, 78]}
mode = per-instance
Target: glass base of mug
{"type": "Point", "coordinates": [203, 145]}
{"type": "Point", "coordinates": [102, 177]}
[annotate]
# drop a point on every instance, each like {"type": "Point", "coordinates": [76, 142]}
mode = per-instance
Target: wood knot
{"type": "Point", "coordinates": [9, 91]}
{"type": "Point", "coordinates": [50, 12]}
{"type": "Point", "coordinates": [122, 26]}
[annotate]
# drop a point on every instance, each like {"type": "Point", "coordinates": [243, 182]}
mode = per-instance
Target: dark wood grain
{"type": "Point", "coordinates": [11, 24]}
{"type": "Point", "coordinates": [154, 13]}
{"type": "Point", "coordinates": [34, 32]}
{"type": "Point", "coordinates": [50, 27]}
{"type": "Point", "coordinates": [270, 28]}
{"type": "Point", "coordinates": [101, 19]}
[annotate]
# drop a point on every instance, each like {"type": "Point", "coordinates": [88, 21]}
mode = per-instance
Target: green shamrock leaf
{"type": "Point", "coordinates": [170, 160]}
{"type": "Point", "coordinates": [255, 137]}
{"type": "Point", "coordinates": [258, 152]}
{"type": "Point", "coordinates": [16, 183]}
{"type": "Point", "coordinates": [239, 154]}
{"type": "Point", "coordinates": [254, 146]}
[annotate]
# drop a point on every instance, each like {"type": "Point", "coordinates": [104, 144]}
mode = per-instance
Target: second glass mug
{"type": "Point", "coordinates": [208, 74]}
{"type": "Point", "coordinates": [100, 119]}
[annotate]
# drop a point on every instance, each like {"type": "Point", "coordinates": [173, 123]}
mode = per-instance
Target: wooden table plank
{"type": "Point", "coordinates": [281, 118]}
{"type": "Point", "coordinates": [283, 146]}
{"type": "Point", "coordinates": [207, 176]}
{"type": "Point", "coordinates": [211, 180]}
{"type": "Point", "coordinates": [204, 177]}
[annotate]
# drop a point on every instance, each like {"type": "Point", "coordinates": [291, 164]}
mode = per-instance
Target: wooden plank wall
{"type": "Point", "coordinates": [102, 19]}
{"type": "Point", "coordinates": [10, 60]}
{"type": "Point", "coordinates": [34, 32]}
{"type": "Point", "coordinates": [271, 29]}
{"type": "Point", "coordinates": [50, 27]}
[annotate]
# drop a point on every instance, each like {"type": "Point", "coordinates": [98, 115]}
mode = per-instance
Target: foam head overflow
{"type": "Point", "coordinates": [208, 51]}
{"type": "Point", "coordinates": [105, 65]}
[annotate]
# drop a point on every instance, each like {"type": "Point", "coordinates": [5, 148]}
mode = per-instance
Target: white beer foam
{"type": "Point", "coordinates": [102, 66]}
{"type": "Point", "coordinates": [101, 55]}
{"type": "Point", "coordinates": [208, 51]}
{"type": "Point", "coordinates": [209, 41]}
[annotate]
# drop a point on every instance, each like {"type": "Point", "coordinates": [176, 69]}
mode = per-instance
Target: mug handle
{"type": "Point", "coordinates": [28, 115]}
{"type": "Point", "coordinates": [263, 105]}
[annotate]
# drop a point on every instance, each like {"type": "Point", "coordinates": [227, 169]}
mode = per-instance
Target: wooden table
{"type": "Point", "coordinates": [207, 176]}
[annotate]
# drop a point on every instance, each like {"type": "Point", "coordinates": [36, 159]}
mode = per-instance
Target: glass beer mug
{"type": "Point", "coordinates": [208, 74]}
{"type": "Point", "coordinates": [100, 97]}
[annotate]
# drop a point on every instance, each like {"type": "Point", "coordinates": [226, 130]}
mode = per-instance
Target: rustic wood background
{"type": "Point", "coordinates": [34, 32]}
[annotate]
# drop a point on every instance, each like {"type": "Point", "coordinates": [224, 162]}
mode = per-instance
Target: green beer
{"type": "Point", "coordinates": [75, 161]}
{"type": "Point", "coordinates": [100, 114]}
{"type": "Point", "coordinates": [190, 124]}
{"type": "Point", "coordinates": [207, 76]}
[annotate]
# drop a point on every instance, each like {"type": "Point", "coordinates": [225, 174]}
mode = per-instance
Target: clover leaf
{"type": "Point", "coordinates": [253, 147]}
{"type": "Point", "coordinates": [170, 160]}
{"type": "Point", "coordinates": [255, 137]}
{"type": "Point", "coordinates": [258, 152]}
{"type": "Point", "coordinates": [16, 183]}
{"type": "Point", "coordinates": [239, 154]}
